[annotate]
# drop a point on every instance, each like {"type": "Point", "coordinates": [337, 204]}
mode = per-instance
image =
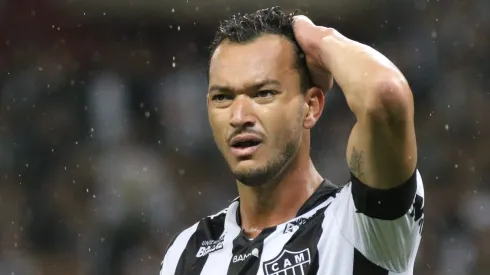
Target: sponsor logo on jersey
{"type": "Point", "coordinates": [289, 263]}
{"type": "Point", "coordinates": [294, 225]}
{"type": "Point", "coordinates": [210, 246]}
{"type": "Point", "coordinates": [243, 257]}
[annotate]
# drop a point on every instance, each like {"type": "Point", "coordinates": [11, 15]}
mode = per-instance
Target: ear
{"type": "Point", "coordinates": [314, 104]}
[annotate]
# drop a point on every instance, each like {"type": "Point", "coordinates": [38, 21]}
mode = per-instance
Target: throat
{"type": "Point", "coordinates": [266, 206]}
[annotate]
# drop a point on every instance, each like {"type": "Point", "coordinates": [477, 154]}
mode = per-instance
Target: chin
{"type": "Point", "coordinates": [252, 173]}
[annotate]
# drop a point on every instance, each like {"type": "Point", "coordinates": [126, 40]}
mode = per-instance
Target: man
{"type": "Point", "coordinates": [267, 76]}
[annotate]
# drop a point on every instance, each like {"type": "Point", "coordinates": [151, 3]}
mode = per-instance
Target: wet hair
{"type": "Point", "coordinates": [245, 28]}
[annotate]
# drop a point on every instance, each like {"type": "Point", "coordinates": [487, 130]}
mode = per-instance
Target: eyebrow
{"type": "Point", "coordinates": [255, 86]}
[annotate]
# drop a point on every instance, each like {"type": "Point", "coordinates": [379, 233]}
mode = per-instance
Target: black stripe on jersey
{"type": "Point", "coordinates": [362, 266]}
{"type": "Point", "coordinates": [389, 204]}
{"type": "Point", "coordinates": [244, 262]}
{"type": "Point", "coordinates": [206, 238]}
{"type": "Point", "coordinates": [324, 191]}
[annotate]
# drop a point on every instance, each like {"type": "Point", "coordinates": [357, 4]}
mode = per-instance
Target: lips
{"type": "Point", "coordinates": [245, 145]}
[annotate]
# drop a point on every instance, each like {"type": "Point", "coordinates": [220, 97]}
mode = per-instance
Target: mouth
{"type": "Point", "coordinates": [245, 145]}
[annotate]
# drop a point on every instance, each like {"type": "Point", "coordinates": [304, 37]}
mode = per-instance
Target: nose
{"type": "Point", "coordinates": [242, 113]}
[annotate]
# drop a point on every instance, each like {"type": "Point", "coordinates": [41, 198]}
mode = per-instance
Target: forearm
{"type": "Point", "coordinates": [368, 79]}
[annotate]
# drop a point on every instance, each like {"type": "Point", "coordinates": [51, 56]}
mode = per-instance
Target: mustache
{"type": "Point", "coordinates": [245, 131]}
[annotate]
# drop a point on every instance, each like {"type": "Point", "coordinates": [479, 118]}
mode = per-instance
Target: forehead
{"type": "Point", "coordinates": [267, 57]}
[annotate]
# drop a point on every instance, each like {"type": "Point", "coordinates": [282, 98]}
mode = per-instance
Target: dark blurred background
{"type": "Point", "coordinates": [105, 151]}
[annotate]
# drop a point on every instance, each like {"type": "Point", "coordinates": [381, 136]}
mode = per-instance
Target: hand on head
{"type": "Point", "coordinates": [310, 37]}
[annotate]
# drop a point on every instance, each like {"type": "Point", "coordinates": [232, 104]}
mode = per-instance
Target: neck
{"type": "Point", "coordinates": [275, 203]}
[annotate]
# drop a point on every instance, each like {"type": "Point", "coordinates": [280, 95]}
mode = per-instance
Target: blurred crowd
{"type": "Point", "coordinates": [106, 152]}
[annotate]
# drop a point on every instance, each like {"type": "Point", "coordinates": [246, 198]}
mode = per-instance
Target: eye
{"type": "Point", "coordinates": [220, 97]}
{"type": "Point", "coordinates": [265, 93]}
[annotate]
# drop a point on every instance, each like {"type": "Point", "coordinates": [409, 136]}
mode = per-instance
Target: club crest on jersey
{"type": "Point", "coordinates": [210, 246]}
{"type": "Point", "coordinates": [289, 263]}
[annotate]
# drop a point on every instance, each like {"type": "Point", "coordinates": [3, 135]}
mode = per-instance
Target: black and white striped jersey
{"type": "Point", "coordinates": [338, 231]}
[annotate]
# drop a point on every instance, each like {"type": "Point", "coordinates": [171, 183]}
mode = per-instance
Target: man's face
{"type": "Point", "coordinates": [255, 107]}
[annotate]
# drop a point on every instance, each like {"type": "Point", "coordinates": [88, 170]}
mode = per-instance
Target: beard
{"type": "Point", "coordinates": [273, 169]}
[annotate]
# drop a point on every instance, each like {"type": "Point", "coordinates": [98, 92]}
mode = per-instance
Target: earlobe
{"type": "Point", "coordinates": [315, 101]}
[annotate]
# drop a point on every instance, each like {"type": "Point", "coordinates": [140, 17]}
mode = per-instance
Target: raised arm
{"type": "Point", "coordinates": [380, 211]}
{"type": "Point", "coordinates": [382, 151]}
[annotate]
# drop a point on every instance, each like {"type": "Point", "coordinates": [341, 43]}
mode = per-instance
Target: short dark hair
{"type": "Point", "coordinates": [244, 28]}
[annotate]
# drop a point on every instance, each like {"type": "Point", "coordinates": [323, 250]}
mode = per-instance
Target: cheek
{"type": "Point", "coordinates": [219, 128]}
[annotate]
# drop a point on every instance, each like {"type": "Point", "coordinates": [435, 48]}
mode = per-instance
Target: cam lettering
{"type": "Point", "coordinates": [289, 263]}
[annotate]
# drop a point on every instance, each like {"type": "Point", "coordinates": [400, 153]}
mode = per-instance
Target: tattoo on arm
{"type": "Point", "coordinates": [356, 161]}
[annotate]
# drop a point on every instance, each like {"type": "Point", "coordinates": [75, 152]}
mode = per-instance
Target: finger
{"type": "Point", "coordinates": [301, 20]}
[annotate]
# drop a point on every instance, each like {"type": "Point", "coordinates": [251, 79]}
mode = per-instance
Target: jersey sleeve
{"type": "Point", "coordinates": [385, 226]}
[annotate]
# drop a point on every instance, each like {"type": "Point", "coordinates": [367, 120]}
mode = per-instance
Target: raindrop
{"type": "Point", "coordinates": [446, 127]}
{"type": "Point", "coordinates": [173, 10]}
{"type": "Point", "coordinates": [92, 130]}
{"type": "Point", "coordinates": [433, 34]}
{"type": "Point", "coordinates": [87, 190]}
{"type": "Point", "coordinates": [437, 177]}
{"type": "Point", "coordinates": [102, 239]}
{"type": "Point", "coordinates": [76, 142]}
{"type": "Point", "coordinates": [27, 165]}
{"type": "Point", "coordinates": [199, 193]}
{"type": "Point", "coordinates": [456, 166]}
{"type": "Point", "coordinates": [173, 64]}
{"type": "Point", "coordinates": [93, 196]}
{"type": "Point", "coordinates": [145, 169]}
{"type": "Point", "coordinates": [178, 28]}
{"type": "Point", "coordinates": [181, 172]}
{"type": "Point", "coordinates": [147, 114]}
{"type": "Point", "coordinates": [449, 106]}
{"type": "Point", "coordinates": [103, 13]}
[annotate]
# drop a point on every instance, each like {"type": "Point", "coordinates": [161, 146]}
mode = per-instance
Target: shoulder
{"type": "Point", "coordinates": [210, 227]}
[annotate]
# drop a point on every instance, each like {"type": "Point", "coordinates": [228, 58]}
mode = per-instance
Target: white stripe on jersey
{"type": "Point", "coordinates": [176, 249]}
